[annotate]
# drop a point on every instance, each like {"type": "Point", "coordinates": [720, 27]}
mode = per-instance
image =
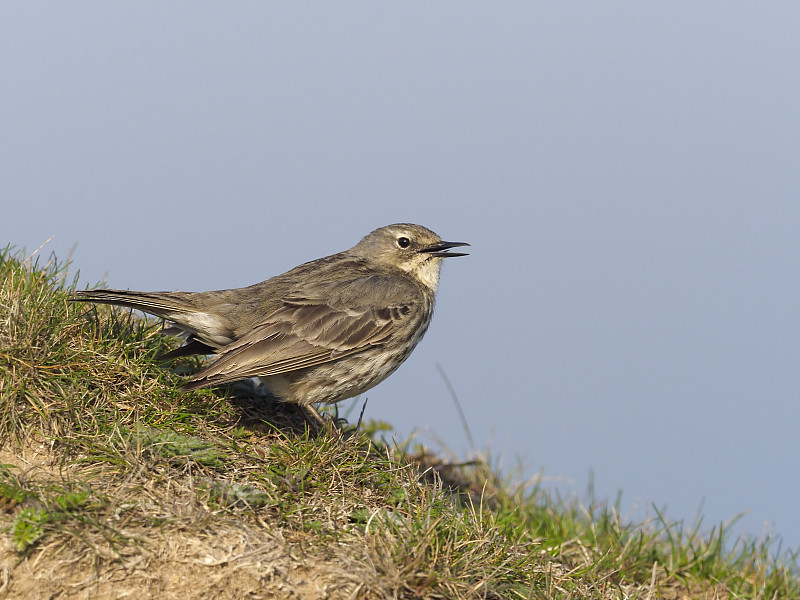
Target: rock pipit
{"type": "Point", "coordinates": [325, 331]}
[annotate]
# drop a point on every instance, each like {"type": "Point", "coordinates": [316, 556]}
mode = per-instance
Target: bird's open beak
{"type": "Point", "coordinates": [441, 249]}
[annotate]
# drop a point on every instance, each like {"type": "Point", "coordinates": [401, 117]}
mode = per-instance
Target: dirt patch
{"type": "Point", "coordinates": [192, 554]}
{"type": "Point", "coordinates": [222, 562]}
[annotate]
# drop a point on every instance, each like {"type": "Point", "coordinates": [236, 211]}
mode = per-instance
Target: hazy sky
{"type": "Point", "coordinates": [627, 176]}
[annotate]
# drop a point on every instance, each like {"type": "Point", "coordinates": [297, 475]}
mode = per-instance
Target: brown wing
{"type": "Point", "coordinates": [310, 331]}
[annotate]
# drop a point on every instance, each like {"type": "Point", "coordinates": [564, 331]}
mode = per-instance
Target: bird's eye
{"type": "Point", "coordinates": [403, 242]}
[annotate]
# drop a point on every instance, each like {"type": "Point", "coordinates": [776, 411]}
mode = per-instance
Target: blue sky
{"type": "Point", "coordinates": [626, 174]}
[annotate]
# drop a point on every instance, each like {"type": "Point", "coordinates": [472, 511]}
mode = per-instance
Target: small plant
{"type": "Point", "coordinates": [70, 502]}
{"type": "Point", "coordinates": [28, 527]}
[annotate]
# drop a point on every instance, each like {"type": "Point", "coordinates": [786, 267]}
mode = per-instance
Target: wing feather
{"type": "Point", "coordinates": [312, 330]}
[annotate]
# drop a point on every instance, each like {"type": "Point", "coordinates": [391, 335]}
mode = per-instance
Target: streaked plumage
{"type": "Point", "coordinates": [324, 331]}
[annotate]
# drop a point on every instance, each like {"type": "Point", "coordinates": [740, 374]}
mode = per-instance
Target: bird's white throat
{"type": "Point", "coordinates": [427, 272]}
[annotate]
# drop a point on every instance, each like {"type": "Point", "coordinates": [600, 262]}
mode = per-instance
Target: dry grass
{"type": "Point", "coordinates": [114, 483]}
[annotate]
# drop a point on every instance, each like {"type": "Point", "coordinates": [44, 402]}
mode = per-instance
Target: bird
{"type": "Point", "coordinates": [324, 331]}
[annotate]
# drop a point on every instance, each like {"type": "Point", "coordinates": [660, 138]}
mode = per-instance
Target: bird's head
{"type": "Point", "coordinates": [411, 248]}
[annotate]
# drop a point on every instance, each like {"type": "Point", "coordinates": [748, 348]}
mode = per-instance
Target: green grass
{"type": "Point", "coordinates": [114, 482]}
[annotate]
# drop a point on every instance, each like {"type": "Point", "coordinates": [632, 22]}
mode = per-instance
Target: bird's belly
{"type": "Point", "coordinates": [335, 381]}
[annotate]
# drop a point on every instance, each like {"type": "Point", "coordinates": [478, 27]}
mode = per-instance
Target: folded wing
{"type": "Point", "coordinates": [313, 327]}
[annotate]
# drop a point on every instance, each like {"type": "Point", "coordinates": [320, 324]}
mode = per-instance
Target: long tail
{"type": "Point", "coordinates": [203, 332]}
{"type": "Point", "coordinates": [161, 304]}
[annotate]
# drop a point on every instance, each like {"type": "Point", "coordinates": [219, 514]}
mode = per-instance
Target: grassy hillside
{"type": "Point", "coordinates": [115, 483]}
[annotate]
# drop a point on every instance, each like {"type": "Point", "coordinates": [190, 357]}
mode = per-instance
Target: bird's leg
{"type": "Point", "coordinates": [313, 418]}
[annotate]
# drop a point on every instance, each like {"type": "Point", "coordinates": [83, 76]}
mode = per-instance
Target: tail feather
{"type": "Point", "coordinates": [206, 325]}
{"type": "Point", "coordinates": [161, 304]}
{"type": "Point", "coordinates": [188, 349]}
